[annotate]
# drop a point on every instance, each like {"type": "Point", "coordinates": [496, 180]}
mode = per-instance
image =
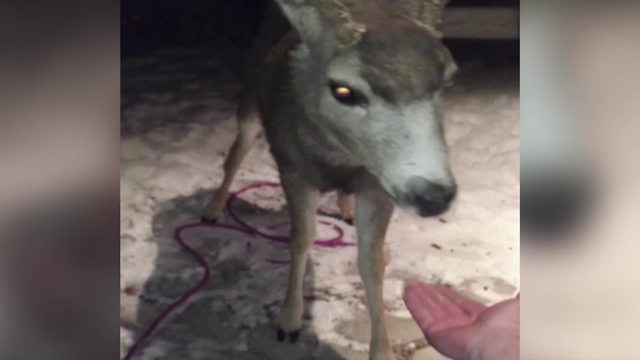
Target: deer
{"type": "Point", "coordinates": [347, 93]}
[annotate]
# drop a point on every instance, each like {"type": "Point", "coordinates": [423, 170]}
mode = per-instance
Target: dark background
{"type": "Point", "coordinates": [151, 24]}
{"type": "Point", "coordinates": [148, 25]}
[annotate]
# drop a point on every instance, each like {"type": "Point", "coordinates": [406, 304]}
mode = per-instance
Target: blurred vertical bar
{"type": "Point", "coordinates": [59, 137]}
{"type": "Point", "coordinates": [580, 93]}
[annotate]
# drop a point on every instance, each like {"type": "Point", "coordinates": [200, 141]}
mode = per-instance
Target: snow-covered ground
{"type": "Point", "coordinates": [177, 125]}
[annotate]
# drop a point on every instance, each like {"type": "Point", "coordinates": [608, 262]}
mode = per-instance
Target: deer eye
{"type": "Point", "coordinates": [344, 94]}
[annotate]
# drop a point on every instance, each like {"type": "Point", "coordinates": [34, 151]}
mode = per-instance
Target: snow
{"type": "Point", "coordinates": [177, 125]}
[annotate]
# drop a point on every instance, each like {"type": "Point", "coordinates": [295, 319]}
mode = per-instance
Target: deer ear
{"type": "Point", "coordinates": [450, 66]}
{"type": "Point", "coordinates": [322, 22]}
{"type": "Point", "coordinates": [305, 19]}
{"type": "Point", "coordinates": [430, 14]}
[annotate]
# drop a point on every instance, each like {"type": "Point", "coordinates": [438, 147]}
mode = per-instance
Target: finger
{"type": "Point", "coordinates": [432, 310]}
{"type": "Point", "coordinates": [428, 297]}
{"type": "Point", "coordinates": [449, 338]}
{"type": "Point", "coordinates": [447, 300]}
{"type": "Point", "coordinates": [418, 309]}
{"type": "Point", "coordinates": [469, 306]}
{"type": "Point", "coordinates": [450, 308]}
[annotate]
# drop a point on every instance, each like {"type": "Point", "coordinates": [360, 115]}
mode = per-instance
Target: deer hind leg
{"type": "Point", "coordinates": [248, 131]}
{"type": "Point", "coordinates": [373, 213]}
{"type": "Point", "coordinates": [302, 201]}
{"type": "Point", "coordinates": [346, 206]}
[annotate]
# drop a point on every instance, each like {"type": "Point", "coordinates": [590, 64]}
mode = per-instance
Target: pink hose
{"type": "Point", "coordinates": [335, 242]}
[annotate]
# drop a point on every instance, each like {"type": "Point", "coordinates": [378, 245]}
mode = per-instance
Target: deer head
{"type": "Point", "coordinates": [369, 77]}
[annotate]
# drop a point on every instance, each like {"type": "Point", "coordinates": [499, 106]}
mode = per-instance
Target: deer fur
{"type": "Point", "coordinates": [384, 143]}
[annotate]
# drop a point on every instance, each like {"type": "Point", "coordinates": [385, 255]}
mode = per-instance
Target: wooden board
{"type": "Point", "coordinates": [481, 23]}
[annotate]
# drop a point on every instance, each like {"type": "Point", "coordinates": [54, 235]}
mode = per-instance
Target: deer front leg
{"type": "Point", "coordinates": [302, 201]}
{"type": "Point", "coordinates": [373, 212]}
{"type": "Point", "coordinates": [249, 129]}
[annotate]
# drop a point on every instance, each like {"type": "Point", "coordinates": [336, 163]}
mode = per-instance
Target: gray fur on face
{"type": "Point", "coordinates": [395, 130]}
{"type": "Point", "coordinates": [402, 66]}
{"type": "Point", "coordinates": [396, 133]}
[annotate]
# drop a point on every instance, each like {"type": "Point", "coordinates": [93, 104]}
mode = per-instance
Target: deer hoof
{"type": "Point", "coordinates": [206, 220]}
{"type": "Point", "coordinates": [293, 336]}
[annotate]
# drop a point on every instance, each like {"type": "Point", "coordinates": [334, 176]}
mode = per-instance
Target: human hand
{"type": "Point", "coordinates": [464, 329]}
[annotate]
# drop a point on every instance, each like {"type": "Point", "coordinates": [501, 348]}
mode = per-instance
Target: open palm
{"type": "Point", "coordinates": [464, 329]}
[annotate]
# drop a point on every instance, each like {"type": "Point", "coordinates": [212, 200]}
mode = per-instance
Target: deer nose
{"type": "Point", "coordinates": [431, 198]}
